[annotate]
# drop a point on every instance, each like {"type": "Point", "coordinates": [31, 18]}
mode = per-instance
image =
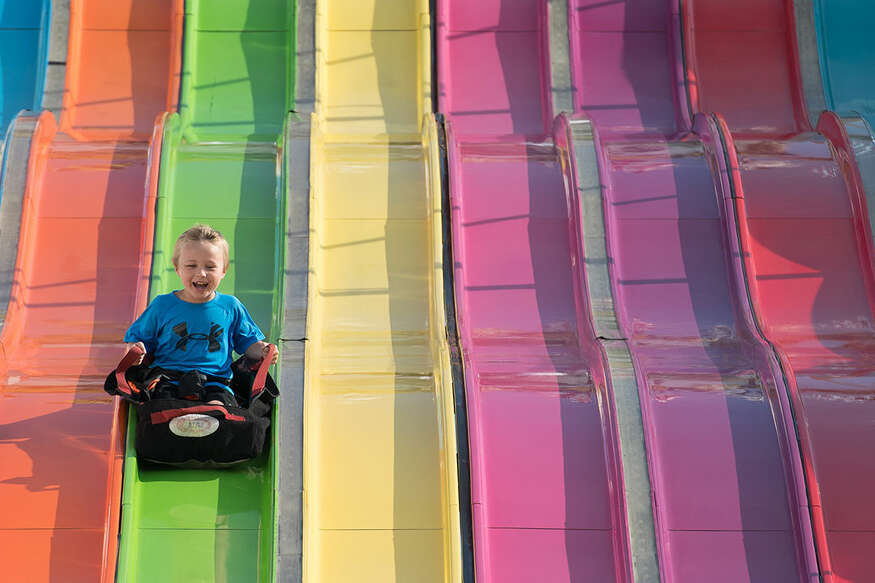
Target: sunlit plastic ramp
{"type": "Point", "coordinates": [381, 501]}
{"type": "Point", "coordinates": [847, 55]}
{"type": "Point", "coordinates": [808, 259]}
{"type": "Point", "coordinates": [79, 278]}
{"type": "Point", "coordinates": [728, 487]}
{"type": "Point", "coordinates": [219, 166]}
{"type": "Point", "coordinates": [545, 481]}
{"type": "Point", "coordinates": [24, 45]}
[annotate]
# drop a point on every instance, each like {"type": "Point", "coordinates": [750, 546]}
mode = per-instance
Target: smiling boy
{"type": "Point", "coordinates": [196, 328]}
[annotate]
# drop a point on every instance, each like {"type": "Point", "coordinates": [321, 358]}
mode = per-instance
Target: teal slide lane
{"type": "Point", "coordinates": [24, 44]}
{"type": "Point", "coordinates": [847, 55]}
{"type": "Point", "coordinates": [219, 165]}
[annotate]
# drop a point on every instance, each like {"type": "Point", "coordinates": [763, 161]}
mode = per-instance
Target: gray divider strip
{"type": "Point", "coordinates": [561, 88]}
{"type": "Point", "coordinates": [620, 370]}
{"type": "Point", "coordinates": [290, 440]}
{"type": "Point", "coordinates": [297, 145]}
{"type": "Point", "coordinates": [56, 71]}
{"type": "Point", "coordinates": [305, 56]}
{"type": "Point", "coordinates": [15, 160]}
{"type": "Point", "coordinates": [809, 59]}
{"type": "Point", "coordinates": [592, 226]}
{"type": "Point", "coordinates": [863, 143]}
{"type": "Point", "coordinates": [290, 406]}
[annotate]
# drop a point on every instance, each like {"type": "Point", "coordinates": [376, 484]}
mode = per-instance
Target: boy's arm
{"type": "Point", "coordinates": [258, 350]}
{"type": "Point", "coordinates": [142, 330]}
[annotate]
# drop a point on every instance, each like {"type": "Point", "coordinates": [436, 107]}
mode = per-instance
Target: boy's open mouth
{"type": "Point", "coordinates": [200, 284]}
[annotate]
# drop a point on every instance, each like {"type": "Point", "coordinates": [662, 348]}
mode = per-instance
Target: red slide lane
{"type": "Point", "coordinates": [741, 61]}
{"type": "Point", "coordinates": [81, 276]}
{"type": "Point", "coordinates": [807, 256]}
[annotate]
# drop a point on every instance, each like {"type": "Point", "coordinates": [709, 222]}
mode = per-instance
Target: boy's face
{"type": "Point", "coordinates": [201, 267]}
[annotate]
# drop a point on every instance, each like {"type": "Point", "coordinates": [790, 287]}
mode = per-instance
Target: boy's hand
{"type": "Point", "coordinates": [142, 347]}
{"type": "Point", "coordinates": [276, 353]}
{"type": "Point", "coordinates": [259, 350]}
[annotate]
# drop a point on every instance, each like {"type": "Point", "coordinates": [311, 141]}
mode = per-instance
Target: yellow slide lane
{"type": "Point", "coordinates": [380, 491]}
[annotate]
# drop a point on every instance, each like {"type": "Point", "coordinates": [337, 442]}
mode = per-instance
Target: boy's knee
{"type": "Point", "coordinates": [219, 396]}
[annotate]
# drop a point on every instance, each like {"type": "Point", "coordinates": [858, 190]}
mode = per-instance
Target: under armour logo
{"type": "Point", "coordinates": [181, 330]}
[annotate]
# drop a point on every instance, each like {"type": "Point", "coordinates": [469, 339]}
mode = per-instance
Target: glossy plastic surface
{"type": "Point", "coordinates": [847, 55]}
{"type": "Point", "coordinates": [23, 55]}
{"type": "Point", "coordinates": [81, 277]}
{"type": "Point", "coordinates": [728, 487]}
{"type": "Point", "coordinates": [808, 261]}
{"type": "Point", "coordinates": [381, 502]}
{"type": "Point", "coordinates": [721, 41]}
{"type": "Point", "coordinates": [219, 166]}
{"type": "Point", "coordinates": [543, 483]}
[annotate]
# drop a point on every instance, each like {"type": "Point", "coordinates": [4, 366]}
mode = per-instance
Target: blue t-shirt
{"type": "Point", "coordinates": [184, 336]}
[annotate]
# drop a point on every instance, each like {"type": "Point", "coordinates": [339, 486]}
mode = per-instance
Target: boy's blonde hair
{"type": "Point", "coordinates": [200, 232]}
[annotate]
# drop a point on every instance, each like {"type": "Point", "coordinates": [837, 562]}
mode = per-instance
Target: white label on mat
{"type": "Point", "coordinates": [194, 425]}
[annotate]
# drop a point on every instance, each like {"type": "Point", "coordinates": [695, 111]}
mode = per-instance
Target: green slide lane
{"type": "Point", "coordinates": [219, 166]}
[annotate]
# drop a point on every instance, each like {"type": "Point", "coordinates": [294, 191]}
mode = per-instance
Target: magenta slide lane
{"type": "Point", "coordinates": [544, 478]}
{"type": "Point", "coordinates": [804, 233]}
{"type": "Point", "coordinates": [728, 487]}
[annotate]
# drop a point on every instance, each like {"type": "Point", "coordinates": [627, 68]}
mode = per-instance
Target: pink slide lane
{"type": "Point", "coordinates": [546, 502]}
{"type": "Point", "coordinates": [730, 501]}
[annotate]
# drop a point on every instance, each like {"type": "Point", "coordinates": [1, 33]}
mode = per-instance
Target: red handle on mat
{"type": "Point", "coordinates": [261, 375]}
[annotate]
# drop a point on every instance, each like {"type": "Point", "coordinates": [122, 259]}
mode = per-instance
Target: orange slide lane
{"type": "Point", "coordinates": [81, 276]}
